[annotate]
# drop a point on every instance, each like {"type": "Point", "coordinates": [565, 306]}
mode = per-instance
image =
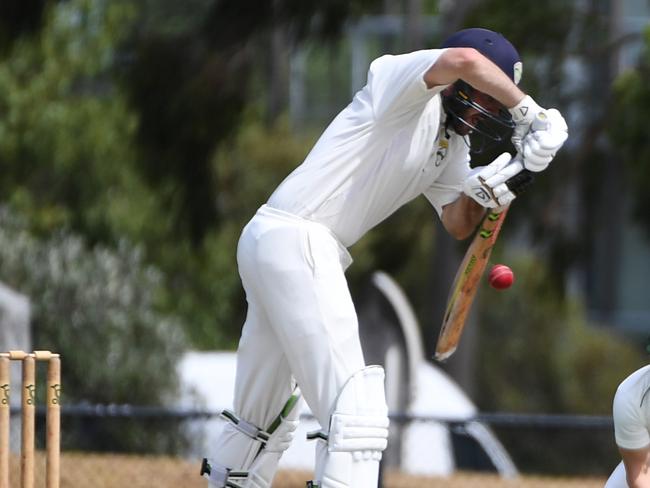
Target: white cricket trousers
{"type": "Point", "coordinates": [618, 478]}
{"type": "Point", "coordinates": [301, 322]}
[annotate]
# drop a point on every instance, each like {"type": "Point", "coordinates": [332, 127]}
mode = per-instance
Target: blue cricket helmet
{"type": "Point", "coordinates": [493, 46]}
{"type": "Point", "coordinates": [493, 128]}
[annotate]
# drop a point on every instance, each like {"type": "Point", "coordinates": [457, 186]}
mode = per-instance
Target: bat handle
{"type": "Point", "coordinates": [517, 163]}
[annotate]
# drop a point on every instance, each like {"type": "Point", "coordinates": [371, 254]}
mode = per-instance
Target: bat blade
{"type": "Point", "coordinates": [466, 283]}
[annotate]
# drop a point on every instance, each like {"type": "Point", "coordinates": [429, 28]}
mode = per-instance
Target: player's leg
{"type": "Point", "coordinates": [349, 452]}
{"type": "Point", "coordinates": [312, 313]}
{"type": "Point", "coordinates": [265, 416]}
{"type": "Point", "coordinates": [266, 405]}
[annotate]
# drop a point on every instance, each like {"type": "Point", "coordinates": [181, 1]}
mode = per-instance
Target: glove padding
{"type": "Point", "coordinates": [498, 183]}
{"type": "Point", "coordinates": [523, 115]}
{"type": "Point", "coordinates": [541, 144]}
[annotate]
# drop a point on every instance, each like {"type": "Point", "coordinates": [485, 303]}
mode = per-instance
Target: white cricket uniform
{"type": "Point", "coordinates": [631, 412]}
{"type": "Point", "coordinates": [379, 153]}
{"type": "Point", "coordinates": [385, 148]}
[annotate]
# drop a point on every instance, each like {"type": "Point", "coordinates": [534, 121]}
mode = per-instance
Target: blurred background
{"type": "Point", "coordinates": [138, 137]}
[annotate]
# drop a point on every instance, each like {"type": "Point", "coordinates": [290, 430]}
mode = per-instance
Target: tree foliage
{"type": "Point", "coordinates": [205, 78]}
{"type": "Point", "coordinates": [540, 354]}
{"type": "Point", "coordinates": [65, 132]}
{"type": "Point", "coordinates": [628, 127]}
{"type": "Point", "coordinates": [19, 18]}
{"type": "Point", "coordinates": [99, 308]}
{"type": "Point", "coordinates": [141, 122]}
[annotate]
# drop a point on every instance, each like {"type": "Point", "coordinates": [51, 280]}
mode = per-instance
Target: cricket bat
{"type": "Point", "coordinates": [471, 269]}
{"type": "Point", "coordinates": [466, 283]}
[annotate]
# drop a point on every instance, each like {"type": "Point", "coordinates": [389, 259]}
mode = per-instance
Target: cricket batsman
{"type": "Point", "coordinates": [404, 134]}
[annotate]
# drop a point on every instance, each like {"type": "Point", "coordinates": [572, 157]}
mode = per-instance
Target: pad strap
{"type": "Point", "coordinates": [222, 477]}
{"type": "Point", "coordinates": [246, 428]}
{"type": "Point", "coordinates": [349, 433]}
{"type": "Point", "coordinates": [260, 454]}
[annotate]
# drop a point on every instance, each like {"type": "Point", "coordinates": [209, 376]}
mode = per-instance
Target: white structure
{"type": "Point", "coordinates": [15, 333]}
{"type": "Point", "coordinates": [14, 320]}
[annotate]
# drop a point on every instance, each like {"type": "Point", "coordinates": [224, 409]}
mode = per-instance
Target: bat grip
{"type": "Point", "coordinates": [522, 179]}
{"type": "Point", "coordinates": [540, 122]}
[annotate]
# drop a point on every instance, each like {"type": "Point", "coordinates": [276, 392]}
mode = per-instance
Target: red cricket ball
{"type": "Point", "coordinates": [501, 277]}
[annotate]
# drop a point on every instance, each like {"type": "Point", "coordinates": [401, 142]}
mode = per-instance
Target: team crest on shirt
{"type": "Point", "coordinates": [443, 144]}
{"type": "Point", "coordinates": [443, 147]}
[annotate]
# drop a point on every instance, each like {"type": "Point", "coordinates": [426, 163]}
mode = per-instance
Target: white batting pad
{"type": "Point", "coordinates": [358, 433]}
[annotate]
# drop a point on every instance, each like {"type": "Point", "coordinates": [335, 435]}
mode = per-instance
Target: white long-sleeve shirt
{"type": "Point", "coordinates": [388, 146]}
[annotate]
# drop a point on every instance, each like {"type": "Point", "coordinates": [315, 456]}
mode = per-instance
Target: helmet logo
{"type": "Point", "coordinates": [517, 71]}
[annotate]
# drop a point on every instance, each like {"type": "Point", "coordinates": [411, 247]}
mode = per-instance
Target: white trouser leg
{"type": "Point", "coordinates": [263, 384]}
{"type": "Point", "coordinates": [618, 477]}
{"type": "Point", "coordinates": [293, 272]}
{"type": "Point", "coordinates": [301, 321]}
{"type": "Point", "coordinates": [252, 454]}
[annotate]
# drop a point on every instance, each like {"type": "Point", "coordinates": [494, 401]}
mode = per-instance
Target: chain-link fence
{"type": "Point", "coordinates": [548, 450]}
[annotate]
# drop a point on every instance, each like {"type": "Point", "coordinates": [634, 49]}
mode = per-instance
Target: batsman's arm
{"type": "Point", "coordinates": [507, 173]}
{"type": "Point", "coordinates": [636, 467]}
{"type": "Point", "coordinates": [461, 217]}
{"type": "Point", "coordinates": [472, 67]}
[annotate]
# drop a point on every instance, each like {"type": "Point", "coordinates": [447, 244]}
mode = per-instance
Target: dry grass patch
{"type": "Point", "coordinates": [81, 470]}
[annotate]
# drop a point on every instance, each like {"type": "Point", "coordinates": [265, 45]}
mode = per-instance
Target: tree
{"type": "Point", "coordinates": [205, 76]}
{"type": "Point", "coordinates": [65, 135]}
{"type": "Point", "coordinates": [628, 122]}
{"type": "Point", "coordinates": [99, 309]}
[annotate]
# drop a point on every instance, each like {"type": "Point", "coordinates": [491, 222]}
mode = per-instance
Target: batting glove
{"type": "Point", "coordinates": [539, 146]}
{"type": "Point", "coordinates": [498, 183]}
{"type": "Point", "coordinates": [523, 115]}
